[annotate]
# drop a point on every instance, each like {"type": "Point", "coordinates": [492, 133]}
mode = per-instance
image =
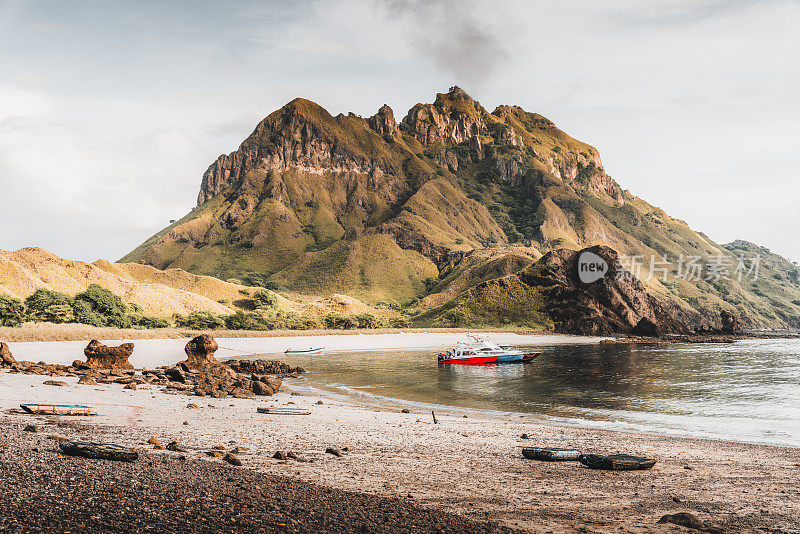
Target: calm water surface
{"type": "Point", "coordinates": [745, 391]}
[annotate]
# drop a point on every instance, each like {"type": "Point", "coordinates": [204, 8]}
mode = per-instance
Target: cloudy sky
{"type": "Point", "coordinates": [111, 111]}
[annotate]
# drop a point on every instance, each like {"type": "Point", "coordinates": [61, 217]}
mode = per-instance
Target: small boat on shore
{"type": "Point", "coordinates": [284, 410]}
{"type": "Point", "coordinates": [483, 351]}
{"type": "Point", "coordinates": [58, 409]}
{"type": "Point", "coordinates": [312, 350]}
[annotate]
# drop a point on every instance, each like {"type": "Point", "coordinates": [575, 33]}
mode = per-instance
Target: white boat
{"type": "Point", "coordinates": [483, 351]}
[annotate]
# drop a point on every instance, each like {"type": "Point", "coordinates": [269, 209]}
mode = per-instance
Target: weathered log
{"type": "Point", "coordinates": [100, 451]}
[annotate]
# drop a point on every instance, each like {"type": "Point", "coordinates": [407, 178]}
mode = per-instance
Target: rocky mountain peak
{"type": "Point", "coordinates": [383, 122]}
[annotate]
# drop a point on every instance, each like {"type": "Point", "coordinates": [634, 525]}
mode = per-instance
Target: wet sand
{"type": "Point", "coordinates": [468, 466]}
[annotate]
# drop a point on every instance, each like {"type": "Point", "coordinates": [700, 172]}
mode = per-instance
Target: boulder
{"type": "Point", "coordinates": [263, 367]}
{"type": "Point", "coordinates": [100, 356]}
{"type": "Point", "coordinates": [6, 359]}
{"type": "Point", "coordinates": [731, 324]}
{"type": "Point", "coordinates": [200, 352]}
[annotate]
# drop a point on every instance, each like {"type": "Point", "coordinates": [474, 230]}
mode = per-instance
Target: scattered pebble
{"type": "Point", "coordinates": [192, 406]}
{"type": "Point", "coordinates": [153, 441]}
{"type": "Point", "coordinates": [231, 459]}
{"type": "Point", "coordinates": [335, 452]}
{"type": "Point", "coordinates": [30, 428]}
{"type": "Point", "coordinates": [55, 383]}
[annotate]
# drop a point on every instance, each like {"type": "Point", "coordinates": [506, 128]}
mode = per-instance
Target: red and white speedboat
{"type": "Point", "coordinates": [482, 351]}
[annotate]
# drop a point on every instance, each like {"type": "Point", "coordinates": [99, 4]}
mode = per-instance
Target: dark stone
{"type": "Point", "coordinates": [100, 356]}
{"type": "Point", "coordinates": [280, 455]}
{"type": "Point", "coordinates": [200, 352]}
{"type": "Point", "coordinates": [333, 451]}
{"type": "Point", "coordinates": [646, 328]}
{"type": "Point", "coordinates": [731, 324]}
{"type": "Point", "coordinates": [232, 459]}
{"type": "Point", "coordinates": [29, 428]}
{"type": "Point", "coordinates": [6, 358]}
{"type": "Point", "coordinates": [685, 519]}
{"type": "Point", "coordinates": [263, 367]}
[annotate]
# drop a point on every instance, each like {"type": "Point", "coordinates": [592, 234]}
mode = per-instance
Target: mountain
{"type": "Point", "coordinates": [422, 212]}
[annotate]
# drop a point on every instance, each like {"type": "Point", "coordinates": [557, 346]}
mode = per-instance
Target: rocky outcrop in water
{"type": "Point", "coordinates": [100, 356]}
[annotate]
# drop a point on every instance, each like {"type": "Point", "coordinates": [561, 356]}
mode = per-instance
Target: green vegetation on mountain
{"type": "Point", "coordinates": [424, 214]}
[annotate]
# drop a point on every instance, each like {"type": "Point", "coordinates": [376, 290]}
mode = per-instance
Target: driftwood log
{"type": "Point", "coordinates": [100, 451]}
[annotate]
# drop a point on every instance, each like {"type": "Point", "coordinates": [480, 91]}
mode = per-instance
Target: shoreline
{"type": "Point", "coordinates": [469, 464]}
{"type": "Point", "coordinates": [45, 332]}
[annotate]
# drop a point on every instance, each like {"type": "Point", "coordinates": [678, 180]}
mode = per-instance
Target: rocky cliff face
{"type": "Point", "coordinates": [375, 209]}
{"type": "Point", "coordinates": [614, 304]}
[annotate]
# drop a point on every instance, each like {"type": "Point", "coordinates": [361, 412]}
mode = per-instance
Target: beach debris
{"type": "Point", "coordinates": [616, 462]}
{"type": "Point", "coordinates": [435, 422]}
{"type": "Point", "coordinates": [200, 352]}
{"type": "Point", "coordinates": [334, 451]}
{"type": "Point", "coordinates": [175, 447]}
{"type": "Point", "coordinates": [58, 409]}
{"type": "Point", "coordinates": [6, 358]}
{"type": "Point", "coordinates": [100, 356]}
{"type": "Point", "coordinates": [549, 454]}
{"type": "Point", "coordinates": [100, 451]}
{"type": "Point", "coordinates": [58, 383]}
{"type": "Point", "coordinates": [284, 410]}
{"type": "Point", "coordinates": [232, 459]}
{"type": "Point", "coordinates": [192, 406]}
{"type": "Point", "coordinates": [30, 428]}
{"type": "Point", "coordinates": [87, 380]}
{"type": "Point", "coordinates": [688, 520]}
{"type": "Point", "coordinates": [405, 410]}
{"type": "Point", "coordinates": [153, 441]}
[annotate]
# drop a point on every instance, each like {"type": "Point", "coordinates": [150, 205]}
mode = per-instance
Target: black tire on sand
{"type": "Point", "coordinates": [616, 462]}
{"type": "Point", "coordinates": [549, 454]}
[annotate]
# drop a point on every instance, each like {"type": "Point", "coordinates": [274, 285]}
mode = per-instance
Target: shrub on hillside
{"type": "Point", "coordinates": [200, 320]}
{"type": "Point", "coordinates": [455, 318]}
{"type": "Point", "coordinates": [110, 307]}
{"type": "Point", "coordinates": [12, 311]}
{"type": "Point", "coordinates": [366, 320]}
{"type": "Point", "coordinates": [399, 322]}
{"type": "Point", "coordinates": [146, 321]}
{"type": "Point", "coordinates": [57, 313]}
{"type": "Point", "coordinates": [83, 313]}
{"type": "Point", "coordinates": [43, 299]}
{"type": "Point", "coordinates": [247, 321]}
{"type": "Point", "coordinates": [338, 321]}
{"type": "Point", "coordinates": [265, 299]}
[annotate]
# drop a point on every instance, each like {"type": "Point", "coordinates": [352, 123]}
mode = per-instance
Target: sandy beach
{"type": "Point", "coordinates": [469, 464]}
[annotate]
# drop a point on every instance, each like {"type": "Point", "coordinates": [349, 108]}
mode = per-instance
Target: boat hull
{"type": "Point", "coordinates": [473, 360]}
